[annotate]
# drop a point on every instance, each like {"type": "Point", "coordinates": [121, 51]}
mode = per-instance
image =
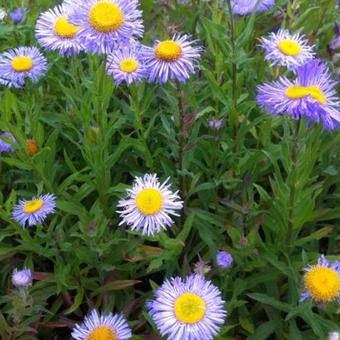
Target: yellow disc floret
{"type": "Point", "coordinates": [129, 65]}
{"type": "Point", "coordinates": [22, 63]}
{"type": "Point", "coordinates": [102, 333]}
{"type": "Point", "coordinates": [30, 207]}
{"type": "Point", "coordinates": [106, 17]}
{"type": "Point", "coordinates": [63, 29]}
{"type": "Point", "coordinates": [189, 308]}
{"type": "Point", "coordinates": [168, 50]}
{"type": "Point", "coordinates": [149, 201]}
{"type": "Point", "coordinates": [289, 47]}
{"type": "Point", "coordinates": [298, 92]}
{"type": "Point", "coordinates": [322, 283]}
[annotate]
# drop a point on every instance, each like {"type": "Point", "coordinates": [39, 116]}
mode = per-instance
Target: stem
{"type": "Point", "coordinates": [292, 186]}
{"type": "Point", "coordinates": [234, 118]}
{"type": "Point", "coordinates": [100, 106]}
{"type": "Point", "coordinates": [181, 141]}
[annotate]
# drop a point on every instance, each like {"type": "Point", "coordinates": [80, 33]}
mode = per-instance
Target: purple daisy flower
{"type": "Point", "coordinates": [287, 50]}
{"type": "Point", "coordinates": [6, 142]}
{"type": "Point", "coordinates": [22, 278]}
{"type": "Point", "coordinates": [106, 23]}
{"type": "Point", "coordinates": [35, 210]}
{"type": "Point", "coordinates": [190, 309]}
{"type": "Point", "coordinates": [312, 95]}
{"type": "Point", "coordinates": [149, 205]}
{"type": "Point", "coordinates": [96, 326]}
{"type": "Point", "coordinates": [20, 63]}
{"type": "Point", "coordinates": [127, 65]}
{"type": "Point", "coordinates": [173, 59]}
{"type": "Point", "coordinates": [322, 281]}
{"type": "Point", "coordinates": [54, 32]}
{"type": "Point", "coordinates": [224, 259]}
{"type": "Point", "coordinates": [243, 7]}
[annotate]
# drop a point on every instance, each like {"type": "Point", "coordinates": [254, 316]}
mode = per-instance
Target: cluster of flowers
{"type": "Point", "coordinates": [312, 93]}
{"type": "Point", "coordinates": [110, 27]}
{"type": "Point", "coordinates": [190, 308]}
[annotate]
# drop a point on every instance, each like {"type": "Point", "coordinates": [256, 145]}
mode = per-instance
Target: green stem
{"type": "Point", "coordinates": [181, 142]}
{"type": "Point", "coordinates": [292, 186]}
{"type": "Point", "coordinates": [234, 117]}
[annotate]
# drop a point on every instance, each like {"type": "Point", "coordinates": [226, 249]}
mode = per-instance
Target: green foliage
{"type": "Point", "coordinates": [261, 188]}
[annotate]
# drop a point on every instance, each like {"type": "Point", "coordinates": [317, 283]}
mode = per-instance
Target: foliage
{"type": "Point", "coordinates": [243, 190]}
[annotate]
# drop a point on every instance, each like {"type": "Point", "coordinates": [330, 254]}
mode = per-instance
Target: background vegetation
{"type": "Point", "coordinates": [243, 190]}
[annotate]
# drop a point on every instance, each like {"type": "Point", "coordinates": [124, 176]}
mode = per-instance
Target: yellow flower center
{"type": "Point", "coordinates": [129, 65]}
{"type": "Point", "coordinates": [33, 206]}
{"type": "Point", "coordinates": [189, 308]}
{"type": "Point", "coordinates": [22, 63]}
{"type": "Point", "coordinates": [322, 283]}
{"type": "Point", "coordinates": [106, 17]}
{"type": "Point", "coordinates": [149, 201]}
{"type": "Point", "coordinates": [102, 333]}
{"type": "Point", "coordinates": [290, 47]}
{"type": "Point", "coordinates": [168, 50]}
{"type": "Point", "coordinates": [64, 29]}
{"type": "Point", "coordinates": [32, 147]}
{"type": "Point", "coordinates": [298, 92]}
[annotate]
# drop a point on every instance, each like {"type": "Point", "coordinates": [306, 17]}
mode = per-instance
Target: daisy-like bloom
{"type": "Point", "coordinates": [35, 210]}
{"type": "Point", "coordinates": [6, 142]}
{"type": "Point", "coordinates": [22, 278]}
{"type": "Point", "coordinates": [287, 50]}
{"type": "Point", "coordinates": [127, 65]}
{"type": "Point", "coordinates": [20, 63]}
{"type": "Point", "coordinates": [322, 281]}
{"type": "Point", "coordinates": [244, 7]}
{"type": "Point", "coordinates": [312, 95]}
{"type": "Point", "coordinates": [54, 31]}
{"type": "Point", "coordinates": [190, 309]}
{"type": "Point", "coordinates": [102, 327]}
{"type": "Point", "coordinates": [224, 259]}
{"type": "Point", "coordinates": [173, 59]}
{"type": "Point", "coordinates": [106, 23]}
{"type": "Point", "coordinates": [149, 205]}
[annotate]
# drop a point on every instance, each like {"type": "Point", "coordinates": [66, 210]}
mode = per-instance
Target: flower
{"type": "Point", "coordinates": [312, 95]}
{"type": "Point", "coordinates": [287, 50]}
{"type": "Point", "coordinates": [334, 335]}
{"type": "Point", "coordinates": [3, 14]}
{"type": "Point", "coordinates": [35, 210]}
{"type": "Point", "coordinates": [243, 7]}
{"type": "Point", "coordinates": [22, 278]}
{"type": "Point", "coordinates": [127, 65]}
{"type": "Point", "coordinates": [32, 147]}
{"type": "Point", "coordinates": [149, 205]}
{"type": "Point", "coordinates": [215, 124]}
{"type": "Point", "coordinates": [224, 259]}
{"type": "Point", "coordinates": [172, 59]}
{"type": "Point", "coordinates": [54, 31]}
{"type": "Point", "coordinates": [106, 23]}
{"type": "Point", "coordinates": [322, 281]}
{"type": "Point", "coordinates": [18, 15]}
{"type": "Point", "coordinates": [101, 327]}
{"type": "Point", "coordinates": [202, 267]}
{"type": "Point", "coordinates": [6, 141]}
{"type": "Point", "coordinates": [20, 63]}
{"type": "Point", "coordinates": [188, 309]}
